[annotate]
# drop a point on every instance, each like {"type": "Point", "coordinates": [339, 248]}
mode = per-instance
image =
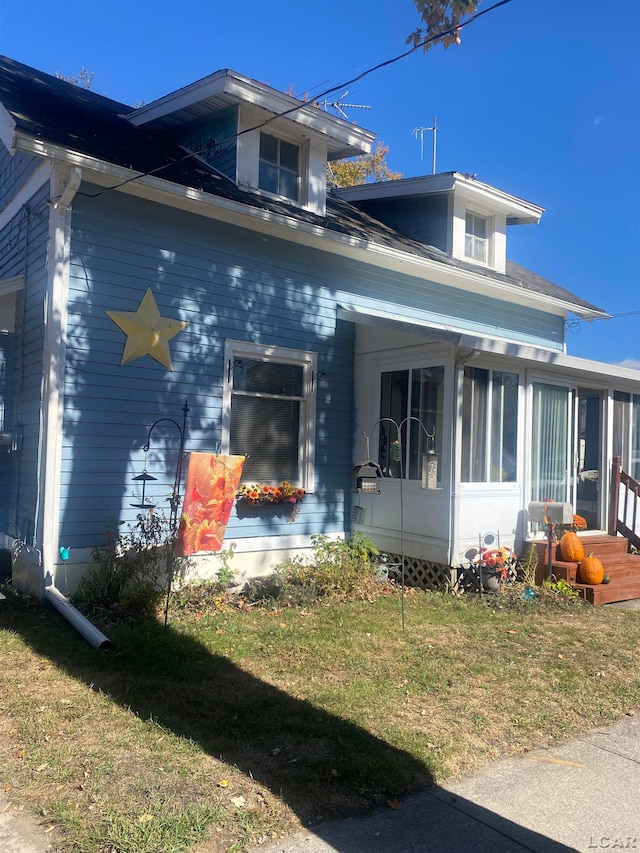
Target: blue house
{"type": "Point", "coordinates": [192, 250]}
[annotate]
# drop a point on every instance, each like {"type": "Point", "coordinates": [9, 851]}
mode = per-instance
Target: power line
{"type": "Point", "coordinates": [430, 39]}
{"type": "Point", "coordinates": [576, 323]}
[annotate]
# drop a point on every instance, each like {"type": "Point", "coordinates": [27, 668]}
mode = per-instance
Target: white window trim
{"type": "Point", "coordinates": [489, 260]}
{"type": "Point", "coordinates": [248, 164]}
{"type": "Point", "coordinates": [309, 362]}
{"type": "Point", "coordinates": [496, 232]}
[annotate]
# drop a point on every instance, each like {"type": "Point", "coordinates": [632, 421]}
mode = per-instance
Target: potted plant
{"type": "Point", "coordinates": [493, 566]}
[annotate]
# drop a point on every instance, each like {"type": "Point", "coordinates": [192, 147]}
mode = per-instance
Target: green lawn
{"type": "Point", "coordinates": [231, 725]}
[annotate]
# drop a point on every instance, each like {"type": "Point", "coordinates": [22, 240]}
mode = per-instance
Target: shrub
{"type": "Point", "coordinates": [130, 569]}
{"type": "Point", "coordinates": [338, 569]}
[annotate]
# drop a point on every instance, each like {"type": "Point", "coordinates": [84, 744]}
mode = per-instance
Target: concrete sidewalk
{"type": "Point", "coordinates": [583, 795]}
{"type": "Point", "coordinates": [20, 832]}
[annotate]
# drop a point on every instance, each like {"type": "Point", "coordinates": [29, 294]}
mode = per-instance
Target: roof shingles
{"type": "Point", "coordinates": [59, 113]}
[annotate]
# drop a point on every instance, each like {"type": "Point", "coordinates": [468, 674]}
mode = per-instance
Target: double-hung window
{"type": "Point", "coordinates": [269, 412]}
{"type": "Point", "coordinates": [476, 238]}
{"type": "Point", "coordinates": [279, 168]}
{"type": "Point", "coordinates": [489, 426]}
{"type": "Point", "coordinates": [413, 399]}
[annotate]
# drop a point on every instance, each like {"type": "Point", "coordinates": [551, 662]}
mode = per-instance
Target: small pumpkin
{"type": "Point", "coordinates": [606, 579]}
{"type": "Point", "coordinates": [591, 570]}
{"type": "Point", "coordinates": [571, 547]}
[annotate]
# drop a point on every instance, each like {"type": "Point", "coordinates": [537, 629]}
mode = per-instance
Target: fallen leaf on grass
{"type": "Point", "coordinates": [238, 801]}
{"type": "Point", "coordinates": [394, 804]}
{"type": "Point", "coordinates": [223, 783]}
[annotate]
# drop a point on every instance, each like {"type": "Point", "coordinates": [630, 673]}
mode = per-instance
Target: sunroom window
{"type": "Point", "coordinates": [417, 393]}
{"type": "Point", "coordinates": [279, 170]}
{"type": "Point", "coordinates": [476, 238]}
{"type": "Point", "coordinates": [489, 426]}
{"type": "Point", "coordinates": [626, 431]}
{"type": "Point", "coordinates": [270, 413]}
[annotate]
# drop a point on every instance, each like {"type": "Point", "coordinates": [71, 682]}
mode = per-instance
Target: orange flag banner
{"type": "Point", "coordinates": [212, 483]}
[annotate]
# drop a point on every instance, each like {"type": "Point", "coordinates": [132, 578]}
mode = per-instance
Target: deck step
{"type": "Point", "coordinates": [623, 569]}
{"type": "Point", "coordinates": [623, 589]}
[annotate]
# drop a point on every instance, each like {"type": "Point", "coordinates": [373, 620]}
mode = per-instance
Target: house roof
{"type": "Point", "coordinates": [54, 112]}
{"type": "Point", "coordinates": [518, 211]}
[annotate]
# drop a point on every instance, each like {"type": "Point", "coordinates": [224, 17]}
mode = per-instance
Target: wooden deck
{"type": "Point", "coordinates": [623, 568]}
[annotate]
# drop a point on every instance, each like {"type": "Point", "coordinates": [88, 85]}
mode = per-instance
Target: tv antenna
{"type": "Point", "coordinates": [340, 106]}
{"type": "Point", "coordinates": [420, 131]}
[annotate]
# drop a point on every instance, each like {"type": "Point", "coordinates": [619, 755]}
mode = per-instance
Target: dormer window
{"type": "Point", "coordinates": [279, 167]}
{"type": "Point", "coordinates": [476, 238]}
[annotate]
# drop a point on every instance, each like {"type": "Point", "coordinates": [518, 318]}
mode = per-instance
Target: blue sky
{"type": "Point", "coordinates": [542, 100]}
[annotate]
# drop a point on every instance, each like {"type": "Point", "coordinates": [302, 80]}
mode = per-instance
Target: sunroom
{"type": "Point", "coordinates": [504, 426]}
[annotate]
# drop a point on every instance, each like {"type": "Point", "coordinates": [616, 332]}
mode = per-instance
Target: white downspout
{"type": "Point", "coordinates": [454, 532]}
{"type": "Point", "coordinates": [64, 186]}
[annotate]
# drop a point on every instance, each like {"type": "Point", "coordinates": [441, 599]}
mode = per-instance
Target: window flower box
{"type": "Point", "coordinates": [264, 495]}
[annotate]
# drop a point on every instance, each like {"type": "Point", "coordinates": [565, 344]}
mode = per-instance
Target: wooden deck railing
{"type": "Point", "coordinates": [624, 500]}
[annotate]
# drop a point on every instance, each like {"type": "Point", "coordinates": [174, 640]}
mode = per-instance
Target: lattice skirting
{"type": "Point", "coordinates": [423, 574]}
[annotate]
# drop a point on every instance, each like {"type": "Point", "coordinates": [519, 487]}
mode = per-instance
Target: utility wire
{"type": "Point", "coordinates": [576, 323]}
{"type": "Point", "coordinates": [429, 40]}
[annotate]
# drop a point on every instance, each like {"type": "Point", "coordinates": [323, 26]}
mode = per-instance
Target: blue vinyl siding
{"type": "Point", "coordinates": [422, 219]}
{"type": "Point", "coordinates": [215, 140]}
{"type": "Point", "coordinates": [14, 171]}
{"type": "Point", "coordinates": [23, 247]}
{"type": "Point", "coordinates": [227, 284]}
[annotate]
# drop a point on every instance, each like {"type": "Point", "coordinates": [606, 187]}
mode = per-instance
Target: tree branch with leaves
{"type": "Point", "coordinates": [366, 168]}
{"type": "Point", "coordinates": [441, 16]}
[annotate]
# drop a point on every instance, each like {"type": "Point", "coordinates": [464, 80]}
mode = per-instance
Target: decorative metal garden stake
{"type": "Point", "coordinates": [175, 500]}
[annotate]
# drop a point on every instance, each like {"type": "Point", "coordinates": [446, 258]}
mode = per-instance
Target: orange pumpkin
{"type": "Point", "coordinates": [591, 570]}
{"type": "Point", "coordinates": [571, 548]}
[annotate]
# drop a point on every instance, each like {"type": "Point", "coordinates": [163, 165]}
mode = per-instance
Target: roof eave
{"type": "Point", "coordinates": [172, 109]}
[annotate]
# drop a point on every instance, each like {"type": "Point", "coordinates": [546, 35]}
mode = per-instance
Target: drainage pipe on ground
{"type": "Point", "coordinates": [82, 625]}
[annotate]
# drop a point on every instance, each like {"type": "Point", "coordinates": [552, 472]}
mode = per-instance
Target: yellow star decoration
{"type": "Point", "coordinates": [147, 332]}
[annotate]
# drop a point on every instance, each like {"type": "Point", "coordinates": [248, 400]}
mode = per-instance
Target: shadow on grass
{"type": "Point", "coordinates": [324, 767]}
{"type": "Point", "coordinates": [320, 765]}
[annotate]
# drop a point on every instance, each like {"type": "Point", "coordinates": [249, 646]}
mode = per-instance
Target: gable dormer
{"type": "Point", "coordinates": [455, 213]}
{"type": "Point", "coordinates": [261, 139]}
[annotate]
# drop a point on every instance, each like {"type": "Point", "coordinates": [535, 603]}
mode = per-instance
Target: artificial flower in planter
{"type": "Point", "coordinates": [256, 495]}
{"type": "Point", "coordinates": [494, 566]}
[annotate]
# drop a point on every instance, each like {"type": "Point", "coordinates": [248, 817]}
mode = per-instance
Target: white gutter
{"type": "Point", "coordinates": [293, 230]}
{"type": "Point", "coordinates": [64, 185]}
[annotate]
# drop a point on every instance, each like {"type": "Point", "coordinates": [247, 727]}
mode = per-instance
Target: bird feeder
{"type": "Point", "coordinates": [430, 470]}
{"type": "Point", "coordinates": [366, 475]}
